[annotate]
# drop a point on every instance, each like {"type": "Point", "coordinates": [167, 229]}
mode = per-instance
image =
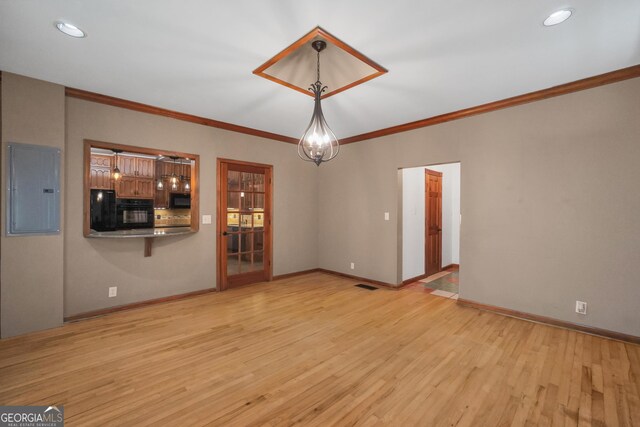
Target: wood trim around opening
{"type": "Point", "coordinates": [222, 217]}
{"type": "Point", "coordinates": [563, 89]}
{"type": "Point", "coordinates": [195, 178]}
{"type": "Point", "coordinates": [550, 321]}
{"type": "Point", "coordinates": [144, 108]}
{"type": "Point", "coordinates": [131, 306]}
{"type": "Point", "coordinates": [319, 31]}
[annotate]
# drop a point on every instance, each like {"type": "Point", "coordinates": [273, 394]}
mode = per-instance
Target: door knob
{"type": "Point", "coordinates": [224, 233]}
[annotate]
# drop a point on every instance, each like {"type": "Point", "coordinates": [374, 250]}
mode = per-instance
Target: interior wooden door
{"type": "Point", "coordinates": [433, 221]}
{"type": "Point", "coordinates": [244, 223]}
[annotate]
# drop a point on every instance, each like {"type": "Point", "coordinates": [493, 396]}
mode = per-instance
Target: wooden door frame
{"type": "Point", "coordinates": [222, 217]}
{"type": "Point", "coordinates": [427, 172]}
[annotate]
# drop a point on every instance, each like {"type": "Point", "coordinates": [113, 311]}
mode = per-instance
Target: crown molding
{"type": "Point", "coordinates": [136, 106]}
{"type": "Point", "coordinates": [578, 85]}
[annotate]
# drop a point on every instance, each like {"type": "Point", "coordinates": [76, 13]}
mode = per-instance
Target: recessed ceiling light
{"type": "Point", "coordinates": [557, 17]}
{"type": "Point", "coordinates": [70, 30]}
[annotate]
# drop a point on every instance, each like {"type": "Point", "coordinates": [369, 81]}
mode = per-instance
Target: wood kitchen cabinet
{"type": "Point", "coordinates": [140, 167]}
{"type": "Point", "coordinates": [135, 188]}
{"type": "Point", "coordinates": [126, 188]}
{"type": "Point", "coordinates": [101, 161]}
{"type": "Point", "coordinates": [167, 168]}
{"type": "Point", "coordinates": [137, 178]}
{"type": "Point", "coordinates": [161, 199]}
{"type": "Point", "coordinates": [100, 172]}
{"type": "Point", "coordinates": [164, 168]}
{"type": "Point", "coordinates": [184, 171]}
{"type": "Point", "coordinates": [127, 165]}
{"type": "Point", "coordinates": [163, 172]}
{"type": "Point", "coordinates": [145, 168]}
{"type": "Point", "coordinates": [145, 188]}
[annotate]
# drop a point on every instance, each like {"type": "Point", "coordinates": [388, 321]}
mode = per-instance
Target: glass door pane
{"type": "Point", "coordinates": [258, 241]}
{"type": "Point", "coordinates": [258, 263]}
{"type": "Point", "coordinates": [246, 181]}
{"type": "Point", "coordinates": [233, 181]}
{"type": "Point", "coordinates": [233, 264]}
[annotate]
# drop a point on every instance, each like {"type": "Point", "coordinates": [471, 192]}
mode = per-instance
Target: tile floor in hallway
{"type": "Point", "coordinates": [443, 284]}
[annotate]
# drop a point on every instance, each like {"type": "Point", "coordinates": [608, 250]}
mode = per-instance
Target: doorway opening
{"type": "Point", "coordinates": [244, 240]}
{"type": "Point", "coordinates": [430, 226]}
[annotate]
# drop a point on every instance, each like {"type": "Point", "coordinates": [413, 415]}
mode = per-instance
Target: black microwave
{"type": "Point", "coordinates": [180, 201]}
{"type": "Point", "coordinates": [134, 213]}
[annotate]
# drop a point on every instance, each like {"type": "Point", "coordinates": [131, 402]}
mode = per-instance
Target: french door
{"type": "Point", "coordinates": [244, 239]}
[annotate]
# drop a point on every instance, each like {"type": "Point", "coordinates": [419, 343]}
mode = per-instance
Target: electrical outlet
{"type": "Point", "coordinates": [353, 265]}
{"type": "Point", "coordinates": [113, 291]}
{"type": "Point", "coordinates": [581, 307]}
{"type": "Point", "coordinates": [386, 216]}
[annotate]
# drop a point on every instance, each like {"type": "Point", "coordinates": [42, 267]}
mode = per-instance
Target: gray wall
{"type": "Point", "coordinates": [178, 264]}
{"type": "Point", "coordinates": [38, 272]}
{"type": "Point", "coordinates": [31, 283]}
{"type": "Point", "coordinates": [549, 200]}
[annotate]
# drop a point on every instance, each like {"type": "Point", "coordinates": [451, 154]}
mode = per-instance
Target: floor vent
{"type": "Point", "coordinates": [367, 287]}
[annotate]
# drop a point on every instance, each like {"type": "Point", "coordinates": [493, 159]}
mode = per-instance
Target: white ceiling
{"type": "Point", "coordinates": [197, 56]}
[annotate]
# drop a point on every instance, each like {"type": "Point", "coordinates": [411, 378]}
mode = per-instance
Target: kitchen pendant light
{"type": "Point", "coordinates": [116, 171]}
{"type": "Point", "coordinates": [174, 177]}
{"type": "Point", "coordinates": [186, 179]}
{"type": "Point", "coordinates": [318, 143]}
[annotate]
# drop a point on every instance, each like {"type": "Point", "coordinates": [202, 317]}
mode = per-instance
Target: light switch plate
{"type": "Point", "coordinates": [206, 219]}
{"type": "Point", "coordinates": [386, 216]}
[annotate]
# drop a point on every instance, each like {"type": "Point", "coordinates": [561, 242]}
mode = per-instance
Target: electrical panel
{"type": "Point", "coordinates": [33, 189]}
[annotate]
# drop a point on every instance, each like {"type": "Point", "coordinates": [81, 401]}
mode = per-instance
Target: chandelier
{"type": "Point", "coordinates": [318, 143]}
{"type": "Point", "coordinates": [175, 180]}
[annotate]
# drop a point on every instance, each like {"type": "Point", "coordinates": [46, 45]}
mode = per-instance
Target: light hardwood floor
{"type": "Point", "coordinates": [314, 350]}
